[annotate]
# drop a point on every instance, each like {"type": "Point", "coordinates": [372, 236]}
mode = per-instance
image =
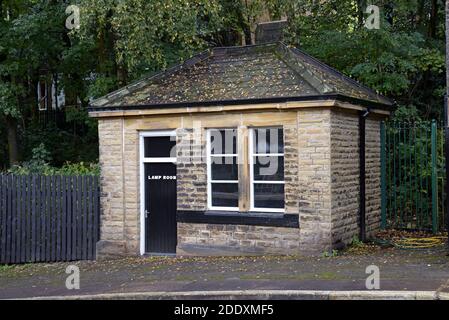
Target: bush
{"type": "Point", "coordinates": [68, 169]}
{"type": "Point", "coordinates": [39, 164]}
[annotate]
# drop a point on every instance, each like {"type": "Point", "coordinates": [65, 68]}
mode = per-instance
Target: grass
{"type": "Point", "coordinates": [6, 267]}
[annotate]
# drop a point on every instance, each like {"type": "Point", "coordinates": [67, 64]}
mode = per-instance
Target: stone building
{"type": "Point", "coordinates": [168, 187]}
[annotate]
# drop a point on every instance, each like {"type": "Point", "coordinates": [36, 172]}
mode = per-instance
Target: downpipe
{"type": "Point", "coordinates": [362, 175]}
{"type": "Point", "coordinates": [446, 154]}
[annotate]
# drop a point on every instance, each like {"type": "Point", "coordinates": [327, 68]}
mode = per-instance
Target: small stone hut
{"type": "Point", "coordinates": [167, 190]}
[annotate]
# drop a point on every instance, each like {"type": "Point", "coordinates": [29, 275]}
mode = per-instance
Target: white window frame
{"type": "Point", "coordinates": [143, 160]}
{"type": "Point", "coordinates": [252, 155]}
{"type": "Point", "coordinates": [209, 171]}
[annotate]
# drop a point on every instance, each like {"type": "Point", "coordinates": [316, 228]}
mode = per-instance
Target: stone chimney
{"type": "Point", "coordinates": [272, 31]}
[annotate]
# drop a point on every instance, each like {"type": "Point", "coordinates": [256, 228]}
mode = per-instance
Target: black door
{"type": "Point", "coordinates": [160, 208]}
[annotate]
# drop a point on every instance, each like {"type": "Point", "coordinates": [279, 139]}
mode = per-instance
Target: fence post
{"type": "Point", "coordinates": [383, 175]}
{"type": "Point", "coordinates": [434, 179]}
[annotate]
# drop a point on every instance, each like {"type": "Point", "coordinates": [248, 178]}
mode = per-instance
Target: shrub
{"type": "Point", "coordinates": [68, 169]}
{"type": "Point", "coordinates": [39, 164]}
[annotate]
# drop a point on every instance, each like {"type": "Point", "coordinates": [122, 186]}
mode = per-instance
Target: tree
{"type": "Point", "coordinates": [34, 43]}
{"type": "Point", "coordinates": [404, 59]}
{"type": "Point", "coordinates": [121, 40]}
{"type": "Point", "coordinates": [135, 37]}
{"type": "Point", "coordinates": [447, 50]}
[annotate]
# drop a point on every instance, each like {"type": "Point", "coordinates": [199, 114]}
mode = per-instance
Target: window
{"type": "Point", "coordinates": [266, 158]}
{"type": "Point", "coordinates": [222, 168]}
{"type": "Point", "coordinates": [160, 147]}
{"type": "Point", "coordinates": [266, 174]}
{"type": "Point", "coordinates": [42, 95]}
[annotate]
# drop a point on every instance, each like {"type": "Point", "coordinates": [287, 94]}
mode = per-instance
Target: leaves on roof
{"type": "Point", "coordinates": [241, 73]}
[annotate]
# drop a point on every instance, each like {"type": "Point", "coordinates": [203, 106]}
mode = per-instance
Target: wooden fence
{"type": "Point", "coordinates": [48, 218]}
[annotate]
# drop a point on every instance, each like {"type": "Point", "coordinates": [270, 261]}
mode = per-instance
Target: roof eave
{"type": "Point", "coordinates": [339, 97]}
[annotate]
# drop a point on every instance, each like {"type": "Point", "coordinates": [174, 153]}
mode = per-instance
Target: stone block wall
{"type": "Point", "coordinates": [345, 177]}
{"type": "Point", "coordinates": [321, 182]}
{"type": "Point", "coordinates": [192, 196]}
{"type": "Point", "coordinates": [132, 191]}
{"type": "Point", "coordinates": [373, 186]}
{"type": "Point", "coordinates": [191, 170]}
{"type": "Point", "coordinates": [291, 165]}
{"type": "Point", "coordinates": [112, 219]}
{"type": "Point", "coordinates": [120, 199]}
{"type": "Point", "coordinates": [235, 238]}
{"type": "Point", "coordinates": [314, 177]}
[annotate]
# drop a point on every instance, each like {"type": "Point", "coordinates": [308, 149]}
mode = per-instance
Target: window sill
{"type": "Point", "coordinates": [265, 219]}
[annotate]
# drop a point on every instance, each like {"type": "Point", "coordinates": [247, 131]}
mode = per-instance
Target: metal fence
{"type": "Point", "coordinates": [48, 218]}
{"type": "Point", "coordinates": [413, 175]}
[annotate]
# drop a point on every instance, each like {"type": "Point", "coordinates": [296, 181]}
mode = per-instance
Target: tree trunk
{"type": "Point", "coordinates": [433, 20]}
{"type": "Point", "coordinates": [13, 147]}
{"type": "Point", "coordinates": [122, 75]}
{"type": "Point", "coordinates": [360, 13]}
{"type": "Point", "coordinates": [420, 14]}
{"type": "Point", "coordinates": [248, 38]}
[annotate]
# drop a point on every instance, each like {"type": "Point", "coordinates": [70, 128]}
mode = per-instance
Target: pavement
{"type": "Point", "coordinates": [404, 274]}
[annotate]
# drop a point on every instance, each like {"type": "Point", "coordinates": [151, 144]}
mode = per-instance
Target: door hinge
{"type": "Point", "coordinates": [146, 213]}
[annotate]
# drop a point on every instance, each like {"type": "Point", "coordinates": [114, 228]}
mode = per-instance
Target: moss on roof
{"type": "Point", "coordinates": [240, 73]}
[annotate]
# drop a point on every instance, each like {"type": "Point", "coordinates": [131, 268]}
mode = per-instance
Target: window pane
{"type": "Point", "coordinates": [268, 168]}
{"type": "Point", "coordinates": [160, 147]}
{"type": "Point", "coordinates": [269, 196]}
{"type": "Point", "coordinates": [268, 140]}
{"type": "Point", "coordinates": [224, 168]}
{"type": "Point", "coordinates": [225, 195]}
{"type": "Point", "coordinates": [223, 141]}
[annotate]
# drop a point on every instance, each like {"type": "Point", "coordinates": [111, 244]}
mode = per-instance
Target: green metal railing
{"type": "Point", "coordinates": [413, 175]}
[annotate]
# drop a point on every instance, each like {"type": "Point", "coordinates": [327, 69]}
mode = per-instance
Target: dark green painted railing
{"type": "Point", "coordinates": [413, 175]}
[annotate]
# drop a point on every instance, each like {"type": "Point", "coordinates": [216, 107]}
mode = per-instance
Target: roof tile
{"type": "Point", "coordinates": [240, 73]}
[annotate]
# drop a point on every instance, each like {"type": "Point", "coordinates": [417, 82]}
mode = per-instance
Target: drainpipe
{"type": "Point", "coordinates": [362, 136]}
{"type": "Point", "coordinates": [446, 142]}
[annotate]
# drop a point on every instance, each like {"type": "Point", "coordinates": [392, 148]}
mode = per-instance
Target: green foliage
{"type": "Point", "coordinates": [403, 61]}
{"type": "Point", "coordinates": [149, 35]}
{"type": "Point", "coordinates": [8, 100]}
{"type": "Point", "coordinates": [40, 154]}
{"type": "Point", "coordinates": [330, 254]}
{"type": "Point", "coordinates": [120, 40]}
{"type": "Point", "coordinates": [355, 242]}
{"type": "Point", "coordinates": [407, 113]}
{"type": "Point", "coordinates": [68, 169]}
{"type": "Point", "coordinates": [101, 86]}
{"type": "Point", "coordinates": [79, 169]}
{"type": "Point", "coordinates": [63, 145]}
{"type": "Point", "coordinates": [409, 172]}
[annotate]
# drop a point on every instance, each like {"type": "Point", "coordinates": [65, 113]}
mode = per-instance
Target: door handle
{"type": "Point", "coordinates": [146, 213]}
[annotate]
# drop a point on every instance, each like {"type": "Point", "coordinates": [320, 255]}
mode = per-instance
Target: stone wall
{"type": "Point", "coordinates": [291, 165]}
{"type": "Point", "coordinates": [132, 191]}
{"type": "Point", "coordinates": [373, 187]}
{"type": "Point", "coordinates": [191, 170]}
{"type": "Point", "coordinates": [237, 238]}
{"type": "Point", "coordinates": [314, 177]}
{"type": "Point", "coordinates": [112, 219]}
{"type": "Point", "coordinates": [321, 180]}
{"type": "Point", "coordinates": [345, 177]}
{"type": "Point", "coordinates": [120, 199]}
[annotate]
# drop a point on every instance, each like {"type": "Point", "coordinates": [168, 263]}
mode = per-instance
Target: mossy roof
{"type": "Point", "coordinates": [232, 74]}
